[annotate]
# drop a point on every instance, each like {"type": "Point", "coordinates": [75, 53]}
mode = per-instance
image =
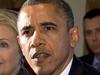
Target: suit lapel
{"type": "Point", "coordinates": [76, 68]}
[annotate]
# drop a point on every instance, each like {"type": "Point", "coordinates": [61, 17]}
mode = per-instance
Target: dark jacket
{"type": "Point", "coordinates": [88, 58]}
{"type": "Point", "coordinates": [81, 68]}
{"type": "Point", "coordinates": [23, 71]}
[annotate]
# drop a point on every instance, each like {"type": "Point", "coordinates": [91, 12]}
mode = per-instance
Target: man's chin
{"type": "Point", "coordinates": [98, 53]}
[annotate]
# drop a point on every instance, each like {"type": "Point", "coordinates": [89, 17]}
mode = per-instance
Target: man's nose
{"type": "Point", "coordinates": [37, 39]}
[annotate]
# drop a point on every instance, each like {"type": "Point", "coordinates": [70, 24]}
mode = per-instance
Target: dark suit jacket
{"type": "Point", "coordinates": [23, 71]}
{"type": "Point", "coordinates": [81, 68]}
{"type": "Point", "coordinates": [88, 58]}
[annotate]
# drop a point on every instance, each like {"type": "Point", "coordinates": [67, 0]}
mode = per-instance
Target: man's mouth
{"type": "Point", "coordinates": [41, 56]}
{"type": "Point", "coordinates": [96, 46]}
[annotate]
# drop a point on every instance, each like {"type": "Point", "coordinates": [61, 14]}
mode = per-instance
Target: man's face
{"type": "Point", "coordinates": [44, 38]}
{"type": "Point", "coordinates": [92, 34]}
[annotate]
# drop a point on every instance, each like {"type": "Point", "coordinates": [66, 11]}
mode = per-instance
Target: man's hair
{"type": "Point", "coordinates": [60, 4]}
{"type": "Point", "coordinates": [92, 13]}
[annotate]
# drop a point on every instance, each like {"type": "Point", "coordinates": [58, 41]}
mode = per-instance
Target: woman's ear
{"type": "Point", "coordinates": [74, 36]}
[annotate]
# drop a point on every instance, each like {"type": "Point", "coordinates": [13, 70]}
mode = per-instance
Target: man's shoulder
{"type": "Point", "coordinates": [81, 68]}
{"type": "Point", "coordinates": [88, 69]}
{"type": "Point", "coordinates": [87, 58]}
{"type": "Point", "coordinates": [23, 71]}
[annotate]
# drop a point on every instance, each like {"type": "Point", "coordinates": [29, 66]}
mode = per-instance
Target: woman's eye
{"type": "Point", "coordinates": [4, 45]}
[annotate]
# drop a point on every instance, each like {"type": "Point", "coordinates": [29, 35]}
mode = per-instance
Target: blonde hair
{"type": "Point", "coordinates": [9, 17]}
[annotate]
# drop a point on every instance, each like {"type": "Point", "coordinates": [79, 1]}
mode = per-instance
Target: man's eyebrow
{"type": "Point", "coordinates": [48, 23]}
{"type": "Point", "coordinates": [25, 28]}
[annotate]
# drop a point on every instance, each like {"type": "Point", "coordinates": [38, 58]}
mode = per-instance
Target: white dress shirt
{"type": "Point", "coordinates": [67, 69]}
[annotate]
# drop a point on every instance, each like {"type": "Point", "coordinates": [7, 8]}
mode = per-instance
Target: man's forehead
{"type": "Point", "coordinates": [43, 7]}
{"type": "Point", "coordinates": [23, 14]}
{"type": "Point", "coordinates": [26, 10]}
{"type": "Point", "coordinates": [23, 19]}
{"type": "Point", "coordinates": [28, 13]}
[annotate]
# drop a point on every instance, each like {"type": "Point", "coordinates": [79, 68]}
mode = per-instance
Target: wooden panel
{"type": "Point", "coordinates": [12, 4]}
{"type": "Point", "coordinates": [18, 3]}
{"type": "Point", "coordinates": [6, 4]}
{"type": "Point", "coordinates": [91, 4]}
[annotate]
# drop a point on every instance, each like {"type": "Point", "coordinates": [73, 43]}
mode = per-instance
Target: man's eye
{"type": "Point", "coordinates": [4, 45]}
{"type": "Point", "coordinates": [28, 33]}
{"type": "Point", "coordinates": [88, 33]}
{"type": "Point", "coordinates": [47, 28]}
{"type": "Point", "coordinates": [98, 30]}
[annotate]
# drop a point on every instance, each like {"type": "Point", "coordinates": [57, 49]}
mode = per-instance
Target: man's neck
{"type": "Point", "coordinates": [61, 69]}
{"type": "Point", "coordinates": [67, 68]}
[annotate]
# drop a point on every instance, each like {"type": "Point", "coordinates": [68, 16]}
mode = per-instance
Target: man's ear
{"type": "Point", "coordinates": [74, 36]}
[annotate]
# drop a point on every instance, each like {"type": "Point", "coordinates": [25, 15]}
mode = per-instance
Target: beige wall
{"type": "Point", "coordinates": [78, 7]}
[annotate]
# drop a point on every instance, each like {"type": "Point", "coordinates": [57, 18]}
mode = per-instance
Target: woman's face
{"type": "Point", "coordinates": [9, 50]}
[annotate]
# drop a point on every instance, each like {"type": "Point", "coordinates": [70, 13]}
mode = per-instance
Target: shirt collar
{"type": "Point", "coordinates": [95, 61]}
{"type": "Point", "coordinates": [67, 69]}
